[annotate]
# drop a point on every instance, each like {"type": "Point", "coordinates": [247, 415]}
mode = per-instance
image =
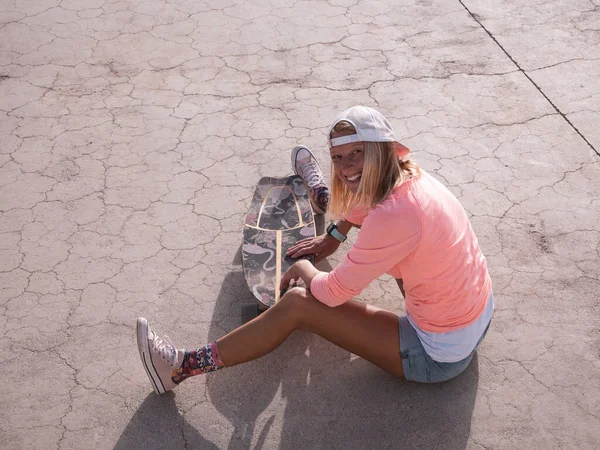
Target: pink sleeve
{"type": "Point", "coordinates": [384, 240]}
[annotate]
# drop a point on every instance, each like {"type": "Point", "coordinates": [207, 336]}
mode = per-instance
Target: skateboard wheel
{"type": "Point", "coordinates": [249, 312]}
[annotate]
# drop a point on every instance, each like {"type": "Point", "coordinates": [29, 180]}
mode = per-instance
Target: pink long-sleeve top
{"type": "Point", "coordinates": [421, 234]}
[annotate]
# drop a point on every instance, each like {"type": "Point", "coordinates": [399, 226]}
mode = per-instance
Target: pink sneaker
{"type": "Point", "coordinates": [159, 357]}
{"type": "Point", "coordinates": [306, 165]}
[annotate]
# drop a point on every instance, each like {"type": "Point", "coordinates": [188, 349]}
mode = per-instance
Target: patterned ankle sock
{"type": "Point", "coordinates": [202, 360]}
{"type": "Point", "coordinates": [322, 196]}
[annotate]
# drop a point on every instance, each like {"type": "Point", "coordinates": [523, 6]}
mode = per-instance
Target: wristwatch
{"type": "Point", "coordinates": [333, 231]}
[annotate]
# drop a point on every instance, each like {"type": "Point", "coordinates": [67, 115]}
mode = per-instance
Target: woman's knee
{"type": "Point", "coordinates": [295, 301]}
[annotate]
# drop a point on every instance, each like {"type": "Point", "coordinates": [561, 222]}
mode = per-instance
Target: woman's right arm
{"type": "Point", "coordinates": [386, 239]}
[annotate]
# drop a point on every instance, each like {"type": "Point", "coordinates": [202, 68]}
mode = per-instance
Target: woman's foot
{"type": "Point", "coordinates": [306, 165]}
{"type": "Point", "coordinates": [160, 357]}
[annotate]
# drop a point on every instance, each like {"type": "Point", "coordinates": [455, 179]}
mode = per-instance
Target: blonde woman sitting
{"type": "Point", "coordinates": [411, 227]}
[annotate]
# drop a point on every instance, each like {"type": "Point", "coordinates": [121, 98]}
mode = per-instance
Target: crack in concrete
{"type": "Point", "coordinates": [563, 115]}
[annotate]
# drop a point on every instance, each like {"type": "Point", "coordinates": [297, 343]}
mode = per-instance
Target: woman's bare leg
{"type": "Point", "coordinates": [364, 330]}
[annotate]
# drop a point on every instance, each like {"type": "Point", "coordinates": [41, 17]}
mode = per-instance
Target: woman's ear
{"type": "Point", "coordinates": [401, 150]}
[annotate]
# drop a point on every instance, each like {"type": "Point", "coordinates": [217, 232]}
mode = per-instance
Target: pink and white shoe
{"type": "Point", "coordinates": [160, 357]}
{"type": "Point", "coordinates": [306, 165]}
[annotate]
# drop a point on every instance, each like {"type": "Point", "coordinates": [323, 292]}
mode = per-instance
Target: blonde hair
{"type": "Point", "coordinates": [382, 172]}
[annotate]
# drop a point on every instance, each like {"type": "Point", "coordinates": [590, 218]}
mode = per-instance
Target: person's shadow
{"type": "Point", "coordinates": [158, 425]}
{"type": "Point", "coordinates": [333, 399]}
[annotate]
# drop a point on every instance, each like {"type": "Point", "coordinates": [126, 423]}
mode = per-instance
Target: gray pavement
{"type": "Point", "coordinates": [132, 134]}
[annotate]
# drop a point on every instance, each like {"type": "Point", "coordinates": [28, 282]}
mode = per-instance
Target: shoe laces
{"type": "Point", "coordinates": [166, 349]}
{"type": "Point", "coordinates": [311, 173]}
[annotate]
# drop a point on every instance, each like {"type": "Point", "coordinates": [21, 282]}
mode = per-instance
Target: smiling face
{"type": "Point", "coordinates": [365, 173]}
{"type": "Point", "coordinates": [347, 161]}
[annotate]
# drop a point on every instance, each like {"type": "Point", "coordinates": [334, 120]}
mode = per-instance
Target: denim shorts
{"type": "Point", "coordinates": [418, 366]}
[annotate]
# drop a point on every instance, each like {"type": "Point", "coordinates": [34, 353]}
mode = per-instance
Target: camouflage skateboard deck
{"type": "Point", "coordinates": [279, 216]}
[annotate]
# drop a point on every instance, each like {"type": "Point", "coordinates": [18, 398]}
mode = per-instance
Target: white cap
{"type": "Point", "coordinates": [370, 125]}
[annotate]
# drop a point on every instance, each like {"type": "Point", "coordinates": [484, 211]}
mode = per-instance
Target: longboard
{"type": "Point", "coordinates": [279, 216]}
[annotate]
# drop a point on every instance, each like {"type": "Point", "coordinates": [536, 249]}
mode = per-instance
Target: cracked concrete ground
{"type": "Point", "coordinates": [132, 134]}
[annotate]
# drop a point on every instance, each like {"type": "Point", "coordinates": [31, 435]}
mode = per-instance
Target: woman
{"type": "Point", "coordinates": [412, 228]}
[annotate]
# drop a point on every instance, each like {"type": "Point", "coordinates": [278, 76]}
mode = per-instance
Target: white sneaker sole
{"type": "Point", "coordinates": [294, 155]}
{"type": "Point", "coordinates": [142, 341]}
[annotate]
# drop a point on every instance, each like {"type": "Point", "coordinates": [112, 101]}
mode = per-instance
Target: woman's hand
{"type": "Point", "coordinates": [300, 269]}
{"type": "Point", "coordinates": [321, 246]}
{"type": "Point", "coordinates": [291, 275]}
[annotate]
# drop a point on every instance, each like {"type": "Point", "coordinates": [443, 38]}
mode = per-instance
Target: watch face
{"type": "Point", "coordinates": [333, 231]}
